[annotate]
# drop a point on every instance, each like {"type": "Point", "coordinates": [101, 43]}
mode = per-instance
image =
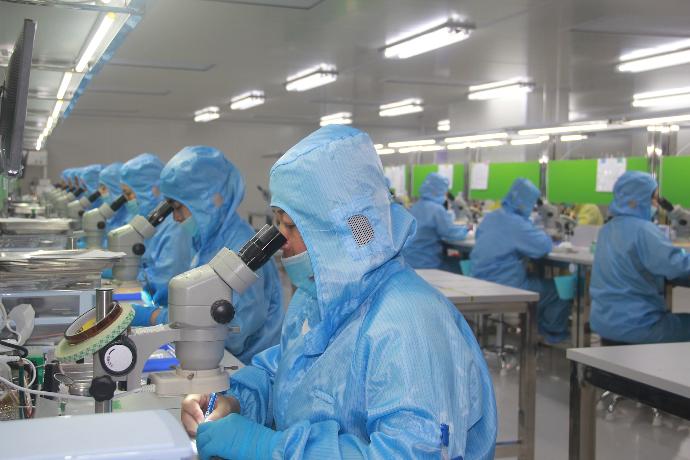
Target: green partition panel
{"type": "Point", "coordinates": [419, 173]}
{"type": "Point", "coordinates": [502, 176]}
{"type": "Point", "coordinates": [574, 181]}
{"type": "Point", "coordinates": [675, 180]}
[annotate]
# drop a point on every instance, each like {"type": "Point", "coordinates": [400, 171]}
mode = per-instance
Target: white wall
{"type": "Point", "coordinates": [252, 147]}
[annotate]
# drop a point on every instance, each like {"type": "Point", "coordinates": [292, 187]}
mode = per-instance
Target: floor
{"type": "Point", "coordinates": [629, 435]}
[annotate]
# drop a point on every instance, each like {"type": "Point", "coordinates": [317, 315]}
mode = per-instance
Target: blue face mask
{"type": "Point", "coordinates": [300, 272]}
{"type": "Point", "coordinates": [132, 207]}
{"type": "Point", "coordinates": [190, 227]}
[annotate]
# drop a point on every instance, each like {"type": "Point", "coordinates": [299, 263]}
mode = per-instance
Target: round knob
{"type": "Point", "coordinates": [119, 356]}
{"type": "Point", "coordinates": [81, 213]}
{"type": "Point", "coordinates": [102, 388]}
{"type": "Point", "coordinates": [100, 225]}
{"type": "Point", "coordinates": [222, 311]}
{"type": "Point", "coordinates": [138, 249]}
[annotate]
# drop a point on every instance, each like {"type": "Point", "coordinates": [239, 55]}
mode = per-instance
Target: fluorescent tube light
{"type": "Point", "coordinates": [505, 88]}
{"type": "Point", "coordinates": [64, 84]}
{"type": "Point", "coordinates": [475, 145]}
{"type": "Point", "coordinates": [247, 100]}
{"type": "Point", "coordinates": [385, 151]}
{"type": "Point", "coordinates": [671, 54]}
{"type": "Point", "coordinates": [418, 42]}
{"type": "Point", "coordinates": [206, 114]}
{"type": "Point", "coordinates": [664, 129]}
{"type": "Point", "coordinates": [39, 142]}
{"type": "Point", "coordinates": [443, 125]}
{"type": "Point", "coordinates": [340, 118]}
{"type": "Point", "coordinates": [529, 141]}
{"type": "Point", "coordinates": [659, 120]}
{"type": "Point", "coordinates": [56, 109]}
{"type": "Point", "coordinates": [675, 96]}
{"type": "Point", "coordinates": [475, 137]}
{"type": "Point", "coordinates": [422, 148]}
{"type": "Point", "coordinates": [411, 143]}
{"type": "Point", "coordinates": [574, 137]}
{"type": "Point", "coordinates": [585, 127]}
{"type": "Point", "coordinates": [378, 146]}
{"type": "Point", "coordinates": [403, 107]}
{"type": "Point", "coordinates": [312, 78]}
{"type": "Point", "coordinates": [95, 42]}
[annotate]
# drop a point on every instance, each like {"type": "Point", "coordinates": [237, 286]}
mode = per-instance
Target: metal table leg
{"type": "Point", "coordinates": [528, 382]}
{"type": "Point", "coordinates": [582, 444]}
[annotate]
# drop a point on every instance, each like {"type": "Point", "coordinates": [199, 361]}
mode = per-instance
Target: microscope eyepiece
{"type": "Point", "coordinates": [665, 204]}
{"type": "Point", "coordinates": [158, 215]}
{"type": "Point", "coordinates": [118, 203]}
{"type": "Point", "coordinates": [78, 192]}
{"type": "Point", "coordinates": [261, 247]}
{"type": "Point", "coordinates": [94, 196]}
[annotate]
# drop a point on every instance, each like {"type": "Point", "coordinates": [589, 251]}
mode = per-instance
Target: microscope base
{"type": "Point", "coordinates": [182, 382]}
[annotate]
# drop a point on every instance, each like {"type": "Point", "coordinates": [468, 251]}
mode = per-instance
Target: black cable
{"type": "Point", "coordinates": [23, 351]}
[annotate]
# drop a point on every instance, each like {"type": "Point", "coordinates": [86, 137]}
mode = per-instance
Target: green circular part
{"type": "Point", "coordinates": [69, 353]}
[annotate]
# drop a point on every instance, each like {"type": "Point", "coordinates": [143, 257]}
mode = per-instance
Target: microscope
{"type": "Point", "coordinates": [679, 217]}
{"type": "Point", "coordinates": [76, 208]}
{"type": "Point", "coordinates": [64, 199]}
{"type": "Point", "coordinates": [93, 221]}
{"type": "Point", "coordinates": [199, 310]}
{"type": "Point", "coordinates": [556, 225]}
{"type": "Point", "coordinates": [130, 240]}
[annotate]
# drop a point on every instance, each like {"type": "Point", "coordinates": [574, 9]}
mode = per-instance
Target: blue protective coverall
{"type": "Point", "coordinates": [88, 176]}
{"type": "Point", "coordinates": [169, 251]}
{"type": "Point", "coordinates": [212, 188]}
{"type": "Point", "coordinates": [110, 178]}
{"type": "Point", "coordinates": [504, 239]}
{"type": "Point", "coordinates": [434, 224]}
{"type": "Point", "coordinates": [632, 260]}
{"type": "Point", "coordinates": [387, 358]}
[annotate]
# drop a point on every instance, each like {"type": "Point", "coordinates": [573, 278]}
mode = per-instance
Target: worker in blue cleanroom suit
{"type": "Point", "coordinates": [504, 239]}
{"type": "Point", "coordinates": [347, 380]}
{"type": "Point", "coordinates": [88, 177]}
{"type": "Point", "coordinates": [632, 260]}
{"type": "Point", "coordinates": [109, 186]}
{"type": "Point", "coordinates": [434, 224]}
{"type": "Point", "coordinates": [207, 189]}
{"type": "Point", "coordinates": [168, 252]}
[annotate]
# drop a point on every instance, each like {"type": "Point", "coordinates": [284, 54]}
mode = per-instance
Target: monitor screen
{"type": "Point", "coordinates": [15, 92]}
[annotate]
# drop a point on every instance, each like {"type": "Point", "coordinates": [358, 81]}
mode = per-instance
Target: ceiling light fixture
{"type": "Point", "coordinates": [505, 88]}
{"type": "Point", "coordinates": [585, 127]}
{"type": "Point", "coordinates": [95, 42]}
{"type": "Point", "coordinates": [207, 114]}
{"type": "Point", "coordinates": [529, 141]}
{"type": "Point", "coordinates": [422, 148]}
{"type": "Point", "coordinates": [385, 151]}
{"type": "Point", "coordinates": [404, 107]}
{"type": "Point", "coordinates": [475, 145]}
{"type": "Point", "coordinates": [664, 129]}
{"type": "Point", "coordinates": [443, 125]}
{"type": "Point", "coordinates": [247, 100]}
{"type": "Point", "coordinates": [574, 137]}
{"type": "Point", "coordinates": [312, 78]}
{"type": "Point", "coordinates": [645, 59]}
{"type": "Point", "coordinates": [340, 118]}
{"type": "Point", "coordinates": [64, 84]}
{"type": "Point", "coordinates": [666, 97]}
{"type": "Point", "coordinates": [475, 137]}
{"type": "Point", "coordinates": [673, 119]}
{"type": "Point", "coordinates": [411, 143]}
{"type": "Point", "coordinates": [433, 37]}
{"type": "Point", "coordinates": [56, 109]}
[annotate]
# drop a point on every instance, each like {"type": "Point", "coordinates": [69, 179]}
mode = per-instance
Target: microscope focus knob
{"type": "Point", "coordinates": [100, 225]}
{"type": "Point", "coordinates": [222, 311]}
{"type": "Point", "coordinates": [119, 356]}
{"type": "Point", "coordinates": [102, 388]}
{"type": "Point", "coordinates": [138, 249]}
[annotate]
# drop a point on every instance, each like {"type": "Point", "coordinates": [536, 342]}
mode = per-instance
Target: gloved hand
{"type": "Point", "coordinates": [236, 437]}
{"type": "Point", "coordinates": [107, 274]}
{"type": "Point", "coordinates": [142, 314]}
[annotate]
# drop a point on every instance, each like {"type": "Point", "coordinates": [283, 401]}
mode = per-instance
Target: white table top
{"type": "Point", "coordinates": [664, 365]}
{"type": "Point", "coordinates": [576, 255]}
{"type": "Point", "coordinates": [465, 292]}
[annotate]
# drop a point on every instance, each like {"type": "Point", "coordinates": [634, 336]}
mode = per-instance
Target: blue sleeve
{"type": "Point", "coordinates": [531, 241]}
{"type": "Point", "coordinates": [659, 256]}
{"type": "Point", "coordinates": [252, 386]}
{"type": "Point", "coordinates": [446, 229]}
{"type": "Point", "coordinates": [142, 315]}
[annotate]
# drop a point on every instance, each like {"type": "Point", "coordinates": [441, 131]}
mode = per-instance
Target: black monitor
{"type": "Point", "coordinates": [13, 100]}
